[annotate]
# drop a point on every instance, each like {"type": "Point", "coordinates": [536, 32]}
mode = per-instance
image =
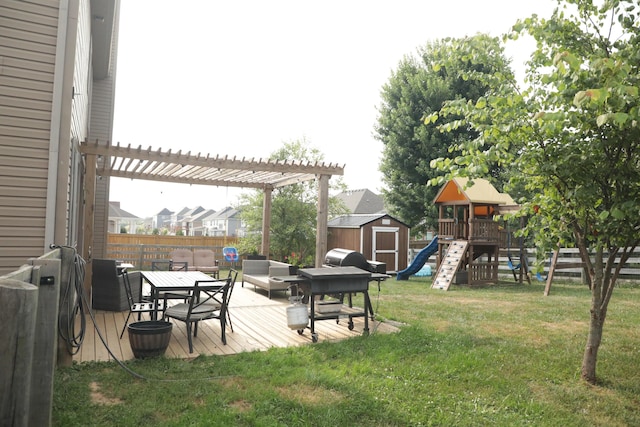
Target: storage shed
{"type": "Point", "coordinates": [379, 237]}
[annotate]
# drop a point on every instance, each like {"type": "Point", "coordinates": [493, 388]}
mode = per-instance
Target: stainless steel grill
{"type": "Point", "coordinates": [339, 257]}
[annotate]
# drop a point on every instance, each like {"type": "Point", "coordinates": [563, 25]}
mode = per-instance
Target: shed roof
{"type": "Point", "coordinates": [357, 220]}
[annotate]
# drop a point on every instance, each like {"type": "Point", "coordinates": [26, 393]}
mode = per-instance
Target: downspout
{"type": "Point", "coordinates": [60, 133]}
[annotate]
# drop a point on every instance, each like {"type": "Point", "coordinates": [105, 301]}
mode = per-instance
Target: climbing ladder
{"type": "Point", "coordinates": [450, 264]}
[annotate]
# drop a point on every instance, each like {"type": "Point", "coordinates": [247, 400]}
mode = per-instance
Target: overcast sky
{"type": "Point", "coordinates": [239, 78]}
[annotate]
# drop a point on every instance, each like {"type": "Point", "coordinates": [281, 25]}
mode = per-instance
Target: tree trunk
{"type": "Point", "coordinates": [599, 302]}
{"type": "Point", "coordinates": [593, 344]}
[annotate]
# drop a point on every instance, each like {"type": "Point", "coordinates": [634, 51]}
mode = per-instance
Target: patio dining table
{"type": "Point", "coordinates": [170, 281]}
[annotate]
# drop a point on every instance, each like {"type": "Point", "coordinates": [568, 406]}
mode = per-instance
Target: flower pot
{"type": "Point", "coordinates": [149, 338]}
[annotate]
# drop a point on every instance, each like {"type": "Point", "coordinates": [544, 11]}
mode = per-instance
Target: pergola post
{"type": "Point", "coordinates": [89, 210]}
{"type": "Point", "coordinates": [266, 221]}
{"type": "Point", "coordinates": [322, 219]}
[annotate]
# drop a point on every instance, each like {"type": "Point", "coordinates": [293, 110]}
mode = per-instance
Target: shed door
{"type": "Point", "coordinates": [385, 246]}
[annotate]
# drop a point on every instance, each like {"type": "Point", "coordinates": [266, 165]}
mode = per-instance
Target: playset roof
{"type": "Point", "coordinates": [479, 192]}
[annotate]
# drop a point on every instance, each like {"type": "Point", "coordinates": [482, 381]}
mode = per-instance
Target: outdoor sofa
{"type": "Point", "coordinates": [203, 260]}
{"type": "Point", "coordinates": [260, 273]}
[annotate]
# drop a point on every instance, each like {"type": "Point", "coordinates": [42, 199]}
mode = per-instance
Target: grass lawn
{"type": "Point", "coordinates": [503, 355]}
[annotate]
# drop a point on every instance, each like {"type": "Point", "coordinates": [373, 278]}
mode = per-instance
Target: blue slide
{"type": "Point", "coordinates": [419, 260]}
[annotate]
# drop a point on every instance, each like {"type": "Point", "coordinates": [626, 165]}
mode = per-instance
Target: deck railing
{"type": "Point", "coordinates": [452, 229]}
{"type": "Point", "coordinates": [485, 230]}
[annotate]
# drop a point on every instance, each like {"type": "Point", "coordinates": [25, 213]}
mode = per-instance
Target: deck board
{"type": "Point", "coordinates": [259, 323]}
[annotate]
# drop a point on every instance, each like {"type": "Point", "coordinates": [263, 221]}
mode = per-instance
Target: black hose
{"type": "Point", "coordinates": [71, 302]}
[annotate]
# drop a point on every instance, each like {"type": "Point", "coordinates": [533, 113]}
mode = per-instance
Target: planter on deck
{"type": "Point", "coordinates": [149, 338]}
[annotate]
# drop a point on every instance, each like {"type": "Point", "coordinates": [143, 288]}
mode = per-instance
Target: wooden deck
{"type": "Point", "coordinates": [259, 323]}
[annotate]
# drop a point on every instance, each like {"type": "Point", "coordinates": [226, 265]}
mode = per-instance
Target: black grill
{"type": "Point", "coordinates": [347, 258]}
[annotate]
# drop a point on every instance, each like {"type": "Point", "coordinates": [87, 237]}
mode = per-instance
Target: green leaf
{"type": "Point", "coordinates": [620, 118]}
{"type": "Point", "coordinates": [580, 98]}
{"type": "Point", "coordinates": [617, 213]}
{"type": "Point", "coordinates": [594, 94]}
{"type": "Point", "coordinates": [602, 120]}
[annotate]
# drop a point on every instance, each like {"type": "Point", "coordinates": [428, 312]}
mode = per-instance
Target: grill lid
{"type": "Point", "coordinates": [345, 257]}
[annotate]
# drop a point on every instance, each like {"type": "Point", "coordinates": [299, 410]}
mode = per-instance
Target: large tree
{"type": "Point", "coordinates": [577, 137]}
{"type": "Point", "coordinates": [420, 87]}
{"type": "Point", "coordinates": [293, 211]}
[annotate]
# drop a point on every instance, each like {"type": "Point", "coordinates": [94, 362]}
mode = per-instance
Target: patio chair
{"type": "Point", "coordinates": [204, 260]}
{"type": "Point", "coordinates": [233, 274]}
{"type": "Point", "coordinates": [181, 259]}
{"type": "Point", "coordinates": [207, 301]}
{"type": "Point", "coordinates": [138, 307]}
{"type": "Point", "coordinates": [170, 265]}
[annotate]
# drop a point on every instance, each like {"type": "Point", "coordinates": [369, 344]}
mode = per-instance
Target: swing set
{"type": "Point", "coordinates": [520, 270]}
{"type": "Point", "coordinates": [523, 268]}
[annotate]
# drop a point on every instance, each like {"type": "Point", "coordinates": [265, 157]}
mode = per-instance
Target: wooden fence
{"type": "Point", "coordinates": [30, 315]}
{"type": "Point", "coordinates": [565, 266]}
{"type": "Point", "coordinates": [142, 249]}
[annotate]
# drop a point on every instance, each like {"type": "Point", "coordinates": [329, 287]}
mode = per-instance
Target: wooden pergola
{"type": "Point", "coordinates": [107, 160]}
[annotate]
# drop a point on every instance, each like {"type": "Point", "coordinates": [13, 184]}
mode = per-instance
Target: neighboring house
{"type": "Point", "coordinates": [184, 223]}
{"type": "Point", "coordinates": [119, 220]}
{"type": "Point", "coordinates": [225, 222]}
{"type": "Point", "coordinates": [195, 224]}
{"type": "Point", "coordinates": [161, 220]}
{"type": "Point", "coordinates": [57, 84]}
{"type": "Point", "coordinates": [362, 201]}
{"type": "Point", "coordinates": [177, 219]}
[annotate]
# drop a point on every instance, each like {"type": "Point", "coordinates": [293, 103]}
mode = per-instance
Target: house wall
{"type": "Point", "coordinates": [101, 129]}
{"type": "Point", "coordinates": [28, 48]}
{"type": "Point", "coordinates": [233, 225]}
{"type": "Point", "coordinates": [45, 98]}
{"type": "Point", "coordinates": [80, 104]}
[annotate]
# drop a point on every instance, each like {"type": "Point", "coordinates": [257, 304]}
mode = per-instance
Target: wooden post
{"type": "Point", "coordinates": [322, 219]}
{"type": "Point", "coordinates": [89, 212]}
{"type": "Point", "coordinates": [552, 268]}
{"type": "Point", "coordinates": [46, 275]}
{"type": "Point", "coordinates": [18, 320]}
{"type": "Point", "coordinates": [266, 222]}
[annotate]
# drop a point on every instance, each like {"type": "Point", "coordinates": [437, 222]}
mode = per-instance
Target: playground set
{"type": "Point", "coordinates": [469, 240]}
